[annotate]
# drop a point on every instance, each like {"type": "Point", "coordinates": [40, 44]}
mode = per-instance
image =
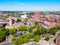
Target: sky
{"type": "Point", "coordinates": [29, 5]}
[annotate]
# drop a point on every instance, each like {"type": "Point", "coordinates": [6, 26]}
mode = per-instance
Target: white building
{"type": "Point", "coordinates": [24, 16]}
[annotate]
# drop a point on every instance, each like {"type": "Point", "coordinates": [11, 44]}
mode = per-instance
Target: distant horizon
{"type": "Point", "coordinates": [29, 5]}
{"type": "Point", "coordinates": [29, 10]}
{"type": "Point", "coordinates": [18, 11]}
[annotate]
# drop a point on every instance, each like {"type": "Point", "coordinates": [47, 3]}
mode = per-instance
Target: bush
{"type": "Point", "coordinates": [36, 38]}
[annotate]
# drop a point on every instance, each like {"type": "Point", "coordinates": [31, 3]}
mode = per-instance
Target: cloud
{"type": "Point", "coordinates": [17, 3]}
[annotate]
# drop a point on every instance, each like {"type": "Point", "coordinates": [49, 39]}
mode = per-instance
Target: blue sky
{"type": "Point", "coordinates": [29, 5]}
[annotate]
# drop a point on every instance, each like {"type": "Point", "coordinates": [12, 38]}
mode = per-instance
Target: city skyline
{"type": "Point", "coordinates": [29, 5]}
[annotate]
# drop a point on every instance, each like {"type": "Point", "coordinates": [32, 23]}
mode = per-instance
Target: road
{"type": "Point", "coordinates": [10, 43]}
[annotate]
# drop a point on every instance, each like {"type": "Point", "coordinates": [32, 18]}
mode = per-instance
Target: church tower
{"type": "Point", "coordinates": [10, 23]}
{"type": "Point", "coordinates": [37, 16]}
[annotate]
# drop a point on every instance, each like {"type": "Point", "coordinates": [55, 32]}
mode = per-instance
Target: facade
{"type": "Point", "coordinates": [13, 24]}
{"type": "Point", "coordinates": [58, 40]}
{"type": "Point", "coordinates": [24, 16]}
{"type": "Point", "coordinates": [48, 24]}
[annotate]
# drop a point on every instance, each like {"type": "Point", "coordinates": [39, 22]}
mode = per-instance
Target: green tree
{"type": "Point", "coordinates": [36, 38]}
{"type": "Point", "coordinates": [16, 41]}
{"type": "Point", "coordinates": [3, 33]}
{"type": "Point", "coordinates": [12, 31]}
{"type": "Point", "coordinates": [21, 40]}
{"type": "Point", "coordinates": [27, 35]}
{"type": "Point", "coordinates": [47, 38]}
{"type": "Point", "coordinates": [18, 20]}
{"type": "Point", "coordinates": [36, 24]}
{"type": "Point", "coordinates": [30, 29]}
{"type": "Point", "coordinates": [13, 38]}
{"type": "Point", "coordinates": [30, 14]}
{"type": "Point", "coordinates": [26, 19]}
{"type": "Point", "coordinates": [25, 40]}
{"type": "Point", "coordinates": [22, 28]}
{"type": "Point", "coordinates": [53, 30]}
{"type": "Point", "coordinates": [43, 30]}
{"type": "Point", "coordinates": [35, 31]}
